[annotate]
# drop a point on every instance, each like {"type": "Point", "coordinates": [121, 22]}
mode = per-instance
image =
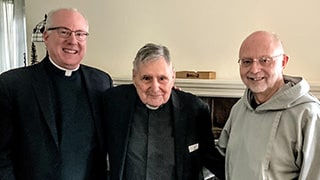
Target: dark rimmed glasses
{"type": "Point", "coordinates": [64, 32]}
{"type": "Point", "coordinates": [263, 61]}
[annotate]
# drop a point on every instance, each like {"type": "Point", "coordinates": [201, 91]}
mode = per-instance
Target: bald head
{"type": "Point", "coordinates": [261, 43]}
{"type": "Point", "coordinates": [65, 14]}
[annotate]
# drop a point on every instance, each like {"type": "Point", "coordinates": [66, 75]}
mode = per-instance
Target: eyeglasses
{"type": "Point", "coordinates": [263, 61]}
{"type": "Point", "coordinates": [64, 32]}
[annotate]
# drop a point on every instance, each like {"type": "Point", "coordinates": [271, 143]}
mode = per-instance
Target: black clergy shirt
{"type": "Point", "coordinates": [150, 154]}
{"type": "Point", "coordinates": [75, 125]}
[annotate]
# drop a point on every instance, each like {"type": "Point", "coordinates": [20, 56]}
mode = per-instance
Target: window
{"type": "Point", "coordinates": [13, 42]}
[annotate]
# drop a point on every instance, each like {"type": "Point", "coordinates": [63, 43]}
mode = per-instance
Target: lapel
{"type": "Point", "coordinates": [180, 126]}
{"type": "Point", "coordinates": [92, 86]}
{"type": "Point", "coordinates": [129, 103]}
{"type": "Point", "coordinates": [43, 91]}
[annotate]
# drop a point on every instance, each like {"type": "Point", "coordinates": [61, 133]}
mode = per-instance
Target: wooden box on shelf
{"type": "Point", "coordinates": [196, 74]}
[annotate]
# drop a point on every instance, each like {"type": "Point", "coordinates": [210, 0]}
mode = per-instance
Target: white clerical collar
{"type": "Point", "coordinates": [152, 107]}
{"type": "Point", "coordinates": [68, 72]}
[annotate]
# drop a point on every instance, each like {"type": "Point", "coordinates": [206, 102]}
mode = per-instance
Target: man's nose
{"type": "Point", "coordinates": [155, 84]}
{"type": "Point", "coordinates": [255, 66]}
{"type": "Point", "coordinates": [72, 37]}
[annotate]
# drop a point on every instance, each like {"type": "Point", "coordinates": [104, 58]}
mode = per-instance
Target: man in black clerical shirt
{"type": "Point", "coordinates": [155, 132]}
{"type": "Point", "coordinates": [50, 125]}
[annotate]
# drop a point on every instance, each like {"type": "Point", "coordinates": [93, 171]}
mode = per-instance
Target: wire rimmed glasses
{"type": "Point", "coordinates": [263, 60]}
{"type": "Point", "coordinates": [64, 32]}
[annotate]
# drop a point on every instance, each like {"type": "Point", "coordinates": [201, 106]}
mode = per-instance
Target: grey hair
{"type": "Point", "coordinates": [52, 12]}
{"type": "Point", "coordinates": [150, 52]}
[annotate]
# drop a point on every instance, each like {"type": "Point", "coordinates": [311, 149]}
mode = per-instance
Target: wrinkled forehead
{"type": "Point", "coordinates": [155, 67]}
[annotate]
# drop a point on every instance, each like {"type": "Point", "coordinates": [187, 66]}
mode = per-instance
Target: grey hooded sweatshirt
{"type": "Point", "coordinates": [279, 140]}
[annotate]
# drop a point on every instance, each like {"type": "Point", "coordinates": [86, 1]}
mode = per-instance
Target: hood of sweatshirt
{"type": "Point", "coordinates": [295, 92]}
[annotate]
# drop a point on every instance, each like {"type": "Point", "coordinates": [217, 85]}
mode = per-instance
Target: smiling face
{"type": "Point", "coordinates": [66, 52]}
{"type": "Point", "coordinates": [263, 81]}
{"type": "Point", "coordinates": [154, 80]}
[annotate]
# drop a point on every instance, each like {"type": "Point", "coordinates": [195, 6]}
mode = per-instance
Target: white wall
{"type": "Point", "coordinates": [201, 35]}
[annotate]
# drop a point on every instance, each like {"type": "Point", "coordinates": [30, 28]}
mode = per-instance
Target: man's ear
{"type": "Point", "coordinates": [285, 60]}
{"type": "Point", "coordinates": [45, 36]}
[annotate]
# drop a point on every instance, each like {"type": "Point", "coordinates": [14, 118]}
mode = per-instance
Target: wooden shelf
{"type": "Point", "coordinates": [214, 88]}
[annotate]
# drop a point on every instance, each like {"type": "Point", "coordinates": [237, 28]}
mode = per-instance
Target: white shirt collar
{"type": "Point", "coordinates": [68, 72]}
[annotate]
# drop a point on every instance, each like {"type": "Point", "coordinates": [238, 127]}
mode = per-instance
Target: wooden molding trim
{"type": "Point", "coordinates": [214, 88]}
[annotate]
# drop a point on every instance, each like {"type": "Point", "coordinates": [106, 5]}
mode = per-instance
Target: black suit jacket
{"type": "Point", "coordinates": [192, 127]}
{"type": "Point", "coordinates": [28, 133]}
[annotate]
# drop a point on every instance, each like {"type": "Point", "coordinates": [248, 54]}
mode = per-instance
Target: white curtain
{"type": "Point", "coordinates": [13, 44]}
